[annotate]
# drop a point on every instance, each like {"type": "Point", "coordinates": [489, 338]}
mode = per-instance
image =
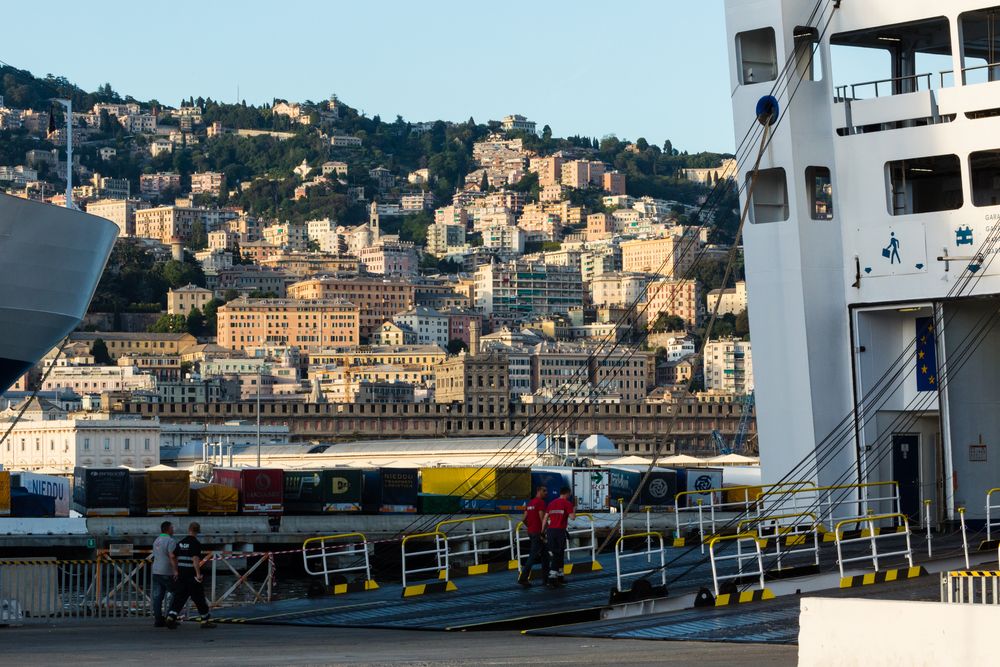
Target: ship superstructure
{"type": "Point", "coordinates": [873, 288]}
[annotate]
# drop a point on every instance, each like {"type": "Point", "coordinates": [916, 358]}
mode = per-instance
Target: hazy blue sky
{"type": "Point", "coordinates": [651, 68]}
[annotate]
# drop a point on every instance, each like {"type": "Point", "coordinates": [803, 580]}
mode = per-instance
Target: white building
{"type": "Point", "coordinates": [430, 326]}
{"type": "Point", "coordinates": [517, 122]}
{"type": "Point", "coordinates": [728, 366]}
{"type": "Point", "coordinates": [679, 347]}
{"type": "Point", "coordinates": [508, 238]}
{"type": "Point", "coordinates": [732, 300]}
{"type": "Point", "coordinates": [97, 379]}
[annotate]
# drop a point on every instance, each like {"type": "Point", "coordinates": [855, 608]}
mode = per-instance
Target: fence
{"type": "Point", "coordinates": [792, 536]}
{"type": "Point", "coordinates": [971, 587]}
{"type": "Point", "coordinates": [317, 553]}
{"type": "Point", "coordinates": [741, 557]}
{"type": "Point", "coordinates": [833, 503]}
{"type": "Point", "coordinates": [438, 553]}
{"type": "Point", "coordinates": [650, 553]}
{"type": "Point", "coordinates": [586, 537]}
{"type": "Point", "coordinates": [478, 537]}
{"type": "Point", "coordinates": [872, 536]}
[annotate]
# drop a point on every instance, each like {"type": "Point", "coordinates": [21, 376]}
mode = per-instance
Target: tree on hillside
{"type": "Point", "coordinates": [99, 350]}
{"type": "Point", "coordinates": [668, 322]}
{"type": "Point", "coordinates": [195, 322]}
{"type": "Point", "coordinates": [170, 324]}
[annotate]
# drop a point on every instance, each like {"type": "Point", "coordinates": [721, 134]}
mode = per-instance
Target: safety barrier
{"type": "Point", "coordinates": [49, 588]}
{"type": "Point", "coordinates": [704, 518]}
{"type": "Point", "coordinates": [585, 535]}
{"type": "Point", "coordinates": [741, 557]}
{"type": "Point", "coordinates": [992, 515]}
{"type": "Point", "coordinates": [833, 503]}
{"type": "Point", "coordinates": [652, 538]}
{"type": "Point", "coordinates": [872, 536]}
{"type": "Point", "coordinates": [323, 549]}
{"type": "Point", "coordinates": [243, 590]}
{"type": "Point", "coordinates": [971, 587]}
{"type": "Point", "coordinates": [791, 535]}
{"type": "Point", "coordinates": [478, 539]}
{"type": "Point", "coordinates": [439, 554]}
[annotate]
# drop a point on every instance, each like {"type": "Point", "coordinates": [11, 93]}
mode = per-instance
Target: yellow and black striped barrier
{"type": "Point", "coordinates": [59, 562]}
{"type": "Point", "coordinates": [744, 597]}
{"type": "Point", "coordinates": [431, 587]}
{"type": "Point", "coordinates": [483, 568]}
{"type": "Point", "coordinates": [982, 574]}
{"type": "Point", "coordinates": [883, 577]}
{"type": "Point", "coordinates": [355, 587]}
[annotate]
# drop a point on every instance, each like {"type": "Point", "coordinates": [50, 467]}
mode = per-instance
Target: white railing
{"type": "Point", "coordinates": [754, 558]}
{"type": "Point", "coordinates": [975, 587]}
{"type": "Point", "coordinates": [872, 537]}
{"type": "Point", "coordinates": [653, 553]}
{"type": "Point", "coordinates": [243, 590]}
{"type": "Point", "coordinates": [586, 536]}
{"type": "Point", "coordinates": [707, 518]}
{"type": "Point", "coordinates": [324, 556]}
{"type": "Point", "coordinates": [832, 503]}
{"type": "Point", "coordinates": [792, 536]}
{"type": "Point", "coordinates": [439, 552]}
{"type": "Point", "coordinates": [992, 514]}
{"type": "Point", "coordinates": [478, 538]}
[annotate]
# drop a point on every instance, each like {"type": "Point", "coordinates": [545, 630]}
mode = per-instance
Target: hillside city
{"type": "Point", "coordinates": [370, 279]}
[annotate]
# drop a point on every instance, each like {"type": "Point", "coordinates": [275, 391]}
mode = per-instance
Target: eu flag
{"type": "Point", "coordinates": [927, 379]}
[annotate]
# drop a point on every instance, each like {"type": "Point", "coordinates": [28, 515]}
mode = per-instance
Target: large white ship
{"type": "Point", "coordinates": [870, 250]}
{"type": "Point", "coordinates": [51, 259]}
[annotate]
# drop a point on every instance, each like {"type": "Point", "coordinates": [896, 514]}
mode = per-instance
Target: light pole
{"type": "Point", "coordinates": [68, 105]}
{"type": "Point", "coordinates": [260, 375]}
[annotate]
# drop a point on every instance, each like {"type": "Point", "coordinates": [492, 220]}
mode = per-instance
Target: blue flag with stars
{"type": "Point", "coordinates": [927, 379]}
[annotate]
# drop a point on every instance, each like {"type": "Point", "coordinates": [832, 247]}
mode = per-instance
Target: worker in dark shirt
{"type": "Point", "coordinates": [190, 558]}
{"type": "Point", "coordinates": [558, 515]}
{"type": "Point", "coordinates": [533, 515]}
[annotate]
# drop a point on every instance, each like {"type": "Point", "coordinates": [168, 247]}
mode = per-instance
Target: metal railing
{"type": "Point", "coordinates": [991, 73]}
{"type": "Point", "coordinates": [439, 552]}
{"type": "Point", "coordinates": [833, 503]}
{"type": "Point", "coordinates": [992, 514]}
{"type": "Point", "coordinates": [323, 549]}
{"type": "Point", "coordinates": [792, 535]}
{"type": "Point", "coordinates": [872, 536]}
{"type": "Point", "coordinates": [741, 557]}
{"type": "Point", "coordinates": [244, 590]}
{"type": "Point", "coordinates": [913, 80]}
{"type": "Point", "coordinates": [478, 538]}
{"type": "Point", "coordinates": [586, 535]}
{"type": "Point", "coordinates": [971, 587]}
{"type": "Point", "coordinates": [44, 588]}
{"type": "Point", "coordinates": [703, 518]}
{"type": "Point", "coordinates": [654, 550]}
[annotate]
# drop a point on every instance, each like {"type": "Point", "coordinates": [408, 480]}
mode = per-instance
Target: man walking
{"type": "Point", "coordinates": [558, 515]}
{"type": "Point", "coordinates": [164, 569]}
{"type": "Point", "coordinates": [534, 513]}
{"type": "Point", "coordinates": [189, 562]}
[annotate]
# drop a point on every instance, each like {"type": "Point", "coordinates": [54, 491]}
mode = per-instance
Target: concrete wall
{"type": "Point", "coordinates": [876, 633]}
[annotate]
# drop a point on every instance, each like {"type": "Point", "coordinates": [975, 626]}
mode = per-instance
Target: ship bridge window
{"type": "Point", "coordinates": [820, 191]}
{"type": "Point", "coordinates": [980, 45]}
{"type": "Point", "coordinates": [924, 185]}
{"type": "Point", "coordinates": [770, 196]}
{"type": "Point", "coordinates": [757, 56]}
{"type": "Point", "coordinates": [891, 60]}
{"type": "Point", "coordinates": [984, 168]}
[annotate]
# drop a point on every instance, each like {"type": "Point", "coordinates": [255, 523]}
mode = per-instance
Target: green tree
{"type": "Point", "coordinates": [742, 323]}
{"type": "Point", "coordinates": [99, 350]}
{"type": "Point", "coordinates": [199, 237]}
{"type": "Point", "coordinates": [195, 322]}
{"type": "Point", "coordinates": [668, 322]}
{"type": "Point", "coordinates": [211, 313]}
{"type": "Point", "coordinates": [546, 133]}
{"type": "Point", "coordinates": [170, 324]}
{"type": "Point", "coordinates": [484, 183]}
{"type": "Point", "coordinates": [456, 345]}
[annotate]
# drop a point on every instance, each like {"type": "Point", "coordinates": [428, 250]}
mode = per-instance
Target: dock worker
{"type": "Point", "coordinates": [534, 514]}
{"type": "Point", "coordinates": [164, 570]}
{"type": "Point", "coordinates": [190, 558]}
{"type": "Point", "coordinates": [558, 515]}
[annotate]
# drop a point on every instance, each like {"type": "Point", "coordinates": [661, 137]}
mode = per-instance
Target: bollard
{"type": "Point", "coordinates": [927, 525]}
{"type": "Point", "coordinates": [965, 540]}
{"type": "Point", "coordinates": [701, 528]}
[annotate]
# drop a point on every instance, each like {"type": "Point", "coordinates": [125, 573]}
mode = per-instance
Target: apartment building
{"type": "Point", "coordinates": [180, 301]}
{"type": "Point", "coordinates": [247, 278]}
{"type": "Point", "coordinates": [517, 122]}
{"type": "Point", "coordinates": [119, 211]}
{"type": "Point", "coordinates": [153, 185]}
{"type": "Point", "coordinates": [728, 366]}
{"type": "Point", "coordinates": [618, 289]}
{"type": "Point", "coordinates": [582, 174]}
{"type": "Point", "coordinates": [430, 326]}
{"type": "Point", "coordinates": [521, 288]}
{"type": "Point", "coordinates": [119, 343]}
{"type": "Point", "coordinates": [377, 299]}
{"type": "Point", "coordinates": [84, 380]}
{"type": "Point", "coordinates": [732, 300]}
{"type": "Point", "coordinates": [441, 236]}
{"type": "Point", "coordinates": [287, 235]}
{"type": "Point", "coordinates": [390, 258]}
{"type": "Point", "coordinates": [505, 238]}
{"type": "Point", "coordinates": [549, 169]}
{"type": "Point", "coordinates": [674, 297]}
{"type": "Point", "coordinates": [669, 256]}
{"type": "Point", "coordinates": [207, 183]}
{"type": "Point", "coordinates": [478, 381]}
{"type": "Point", "coordinates": [308, 324]}
{"type": "Point", "coordinates": [167, 223]}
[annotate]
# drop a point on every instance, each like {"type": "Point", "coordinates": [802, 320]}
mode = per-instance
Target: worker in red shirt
{"type": "Point", "coordinates": [558, 515]}
{"type": "Point", "coordinates": [534, 515]}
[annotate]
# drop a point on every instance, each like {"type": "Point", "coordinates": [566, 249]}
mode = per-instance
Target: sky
{"type": "Point", "coordinates": [634, 68]}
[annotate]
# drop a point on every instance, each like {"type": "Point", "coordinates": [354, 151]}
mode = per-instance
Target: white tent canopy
{"type": "Point", "coordinates": [682, 460]}
{"type": "Point", "coordinates": [733, 459]}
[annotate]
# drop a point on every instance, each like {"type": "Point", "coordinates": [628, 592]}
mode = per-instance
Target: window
{"type": "Point", "coordinates": [145, 445]}
{"type": "Point", "coordinates": [808, 62]}
{"type": "Point", "coordinates": [980, 43]}
{"type": "Point", "coordinates": [770, 196]}
{"type": "Point", "coordinates": [819, 189]}
{"type": "Point", "coordinates": [107, 444]}
{"type": "Point", "coordinates": [924, 185]}
{"type": "Point", "coordinates": [757, 56]}
{"type": "Point", "coordinates": [86, 444]}
{"type": "Point", "coordinates": [128, 444]}
{"type": "Point", "coordinates": [984, 169]}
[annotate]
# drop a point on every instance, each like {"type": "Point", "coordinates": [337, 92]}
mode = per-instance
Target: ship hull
{"type": "Point", "coordinates": [51, 259]}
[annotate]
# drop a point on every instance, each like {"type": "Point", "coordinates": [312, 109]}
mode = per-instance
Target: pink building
{"type": "Point", "coordinates": [389, 258]}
